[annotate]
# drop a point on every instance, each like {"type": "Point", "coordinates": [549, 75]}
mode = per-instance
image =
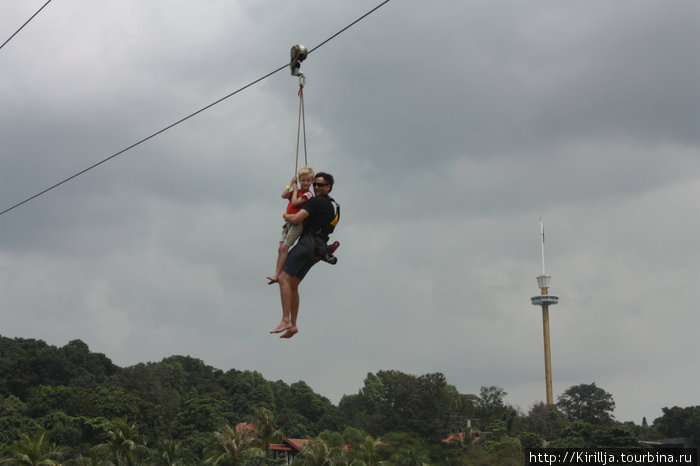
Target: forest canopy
{"type": "Point", "coordinates": [70, 402]}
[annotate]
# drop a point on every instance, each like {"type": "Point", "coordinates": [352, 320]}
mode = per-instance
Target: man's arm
{"type": "Point", "coordinates": [296, 219]}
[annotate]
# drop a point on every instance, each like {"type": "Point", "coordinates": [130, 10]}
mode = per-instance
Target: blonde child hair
{"type": "Point", "coordinates": [306, 171]}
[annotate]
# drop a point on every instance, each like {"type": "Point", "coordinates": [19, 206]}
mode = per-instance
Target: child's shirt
{"type": "Point", "coordinates": [306, 195]}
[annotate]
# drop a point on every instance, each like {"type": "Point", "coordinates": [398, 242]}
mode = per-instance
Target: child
{"type": "Point", "coordinates": [290, 233]}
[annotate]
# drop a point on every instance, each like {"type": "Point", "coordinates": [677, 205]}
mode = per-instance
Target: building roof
{"type": "Point", "coordinates": [461, 437]}
{"type": "Point", "coordinates": [296, 443]}
{"type": "Point", "coordinates": [279, 447]}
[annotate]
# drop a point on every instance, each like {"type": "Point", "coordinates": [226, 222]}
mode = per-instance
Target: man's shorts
{"type": "Point", "coordinates": [302, 256]}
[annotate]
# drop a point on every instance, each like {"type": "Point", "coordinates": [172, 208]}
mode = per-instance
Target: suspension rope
{"type": "Point", "coordinates": [303, 126]}
{"type": "Point", "coordinates": [301, 106]}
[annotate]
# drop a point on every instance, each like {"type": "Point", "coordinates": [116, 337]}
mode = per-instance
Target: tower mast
{"type": "Point", "coordinates": [544, 300]}
{"type": "Point", "coordinates": [542, 237]}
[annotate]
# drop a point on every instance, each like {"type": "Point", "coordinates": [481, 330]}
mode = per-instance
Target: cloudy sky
{"type": "Point", "coordinates": [451, 128]}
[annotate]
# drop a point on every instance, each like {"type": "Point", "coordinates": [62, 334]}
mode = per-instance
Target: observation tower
{"type": "Point", "coordinates": [545, 300]}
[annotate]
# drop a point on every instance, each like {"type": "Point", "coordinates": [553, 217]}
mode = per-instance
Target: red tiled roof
{"type": "Point", "coordinates": [462, 436]}
{"type": "Point", "coordinates": [296, 443]}
{"type": "Point", "coordinates": [243, 426]}
{"type": "Point", "coordinates": [278, 447]}
{"type": "Point", "coordinates": [377, 443]}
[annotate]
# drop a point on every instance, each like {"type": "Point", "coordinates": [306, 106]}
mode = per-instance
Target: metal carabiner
{"type": "Point", "coordinates": [298, 54]}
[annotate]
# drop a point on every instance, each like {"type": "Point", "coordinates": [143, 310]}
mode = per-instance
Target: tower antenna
{"type": "Point", "coordinates": [542, 235]}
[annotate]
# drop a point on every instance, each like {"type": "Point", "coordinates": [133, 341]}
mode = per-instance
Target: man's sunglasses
{"type": "Point", "coordinates": [320, 185]}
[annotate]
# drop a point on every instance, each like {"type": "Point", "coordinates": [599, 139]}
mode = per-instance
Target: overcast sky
{"type": "Point", "coordinates": [451, 127]}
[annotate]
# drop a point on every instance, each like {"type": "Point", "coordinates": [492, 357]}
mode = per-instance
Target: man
{"type": "Point", "coordinates": [317, 215]}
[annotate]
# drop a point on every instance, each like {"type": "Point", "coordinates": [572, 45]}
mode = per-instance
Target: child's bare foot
{"type": "Point", "coordinates": [272, 279]}
{"type": "Point", "coordinates": [284, 325]}
{"type": "Point", "coordinates": [290, 332]}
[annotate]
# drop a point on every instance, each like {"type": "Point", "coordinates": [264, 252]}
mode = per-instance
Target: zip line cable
{"type": "Point", "coordinates": [182, 119]}
{"type": "Point", "coordinates": [26, 22]}
{"type": "Point", "coordinates": [139, 142]}
{"type": "Point", "coordinates": [350, 25]}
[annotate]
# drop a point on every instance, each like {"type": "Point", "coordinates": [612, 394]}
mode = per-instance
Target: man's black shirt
{"type": "Point", "coordinates": [321, 213]}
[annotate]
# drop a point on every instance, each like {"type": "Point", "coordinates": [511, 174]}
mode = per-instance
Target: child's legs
{"type": "Point", "coordinates": [293, 233]}
{"type": "Point", "coordinates": [290, 233]}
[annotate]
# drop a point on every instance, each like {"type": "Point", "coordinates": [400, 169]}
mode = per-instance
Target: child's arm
{"type": "Point", "coordinates": [297, 199]}
{"type": "Point", "coordinates": [288, 190]}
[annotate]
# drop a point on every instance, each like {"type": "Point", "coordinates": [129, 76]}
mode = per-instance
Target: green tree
{"type": "Point", "coordinates": [405, 444]}
{"type": "Point", "coordinates": [471, 454]}
{"type": "Point", "coordinates": [531, 440]}
{"type": "Point", "coordinates": [356, 410]}
{"type": "Point", "coordinates": [82, 460]}
{"type": "Point", "coordinates": [368, 455]}
{"type": "Point", "coordinates": [680, 422]}
{"type": "Point", "coordinates": [248, 390]}
{"type": "Point", "coordinates": [28, 363]}
{"type": "Point", "coordinates": [307, 403]}
{"type": "Point", "coordinates": [318, 453]}
{"type": "Point", "coordinates": [33, 451]}
{"type": "Point", "coordinates": [14, 420]}
{"type": "Point", "coordinates": [84, 367]}
{"type": "Point", "coordinates": [397, 404]}
{"type": "Point", "coordinates": [354, 437]}
{"type": "Point", "coordinates": [332, 419]}
{"type": "Point", "coordinates": [545, 420]}
{"type": "Point", "coordinates": [266, 431]}
{"type": "Point", "coordinates": [294, 425]}
{"type": "Point", "coordinates": [578, 434]}
{"type": "Point", "coordinates": [614, 436]}
{"type": "Point", "coordinates": [99, 401]}
{"type": "Point", "coordinates": [506, 452]}
{"type": "Point", "coordinates": [586, 402]}
{"type": "Point", "coordinates": [124, 444]}
{"type": "Point", "coordinates": [332, 438]}
{"type": "Point", "coordinates": [200, 414]}
{"type": "Point", "coordinates": [568, 442]}
{"type": "Point", "coordinates": [232, 446]}
{"type": "Point", "coordinates": [395, 401]}
{"type": "Point", "coordinates": [169, 452]}
{"type": "Point", "coordinates": [409, 456]}
{"type": "Point", "coordinates": [489, 406]}
{"type": "Point", "coordinates": [64, 430]}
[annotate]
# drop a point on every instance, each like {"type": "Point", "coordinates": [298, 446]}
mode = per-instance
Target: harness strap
{"type": "Point", "coordinates": [316, 255]}
{"type": "Point", "coordinates": [301, 106]}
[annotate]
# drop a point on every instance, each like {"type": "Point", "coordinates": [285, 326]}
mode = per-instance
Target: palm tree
{"type": "Point", "coordinates": [367, 455]}
{"type": "Point", "coordinates": [33, 451]}
{"type": "Point", "coordinates": [265, 430]}
{"type": "Point", "coordinates": [123, 443]}
{"type": "Point", "coordinates": [409, 457]}
{"type": "Point", "coordinates": [80, 460]}
{"type": "Point", "coordinates": [168, 453]}
{"type": "Point", "coordinates": [229, 446]}
{"type": "Point", "coordinates": [318, 453]}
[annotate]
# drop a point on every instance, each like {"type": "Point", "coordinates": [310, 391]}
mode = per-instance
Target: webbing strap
{"type": "Point", "coordinates": [301, 99]}
{"type": "Point", "coordinates": [301, 124]}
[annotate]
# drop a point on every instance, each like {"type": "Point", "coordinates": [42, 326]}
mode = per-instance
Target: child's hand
{"type": "Point", "coordinates": [293, 182]}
